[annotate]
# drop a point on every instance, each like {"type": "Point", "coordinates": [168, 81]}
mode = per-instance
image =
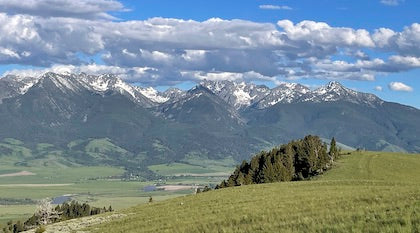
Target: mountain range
{"type": "Point", "coordinates": [216, 119]}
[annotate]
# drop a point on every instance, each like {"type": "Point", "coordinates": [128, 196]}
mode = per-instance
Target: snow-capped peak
{"type": "Point", "coordinates": [21, 84]}
{"type": "Point", "coordinates": [173, 94]}
{"type": "Point", "coordinates": [153, 94]}
{"type": "Point", "coordinates": [284, 93]}
{"type": "Point", "coordinates": [334, 91]}
{"type": "Point", "coordinates": [242, 95]}
{"type": "Point", "coordinates": [238, 94]}
{"type": "Point", "coordinates": [66, 82]}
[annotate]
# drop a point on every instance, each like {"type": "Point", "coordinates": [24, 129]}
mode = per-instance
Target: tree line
{"type": "Point", "coordinates": [47, 214]}
{"type": "Point", "coordinates": [296, 160]}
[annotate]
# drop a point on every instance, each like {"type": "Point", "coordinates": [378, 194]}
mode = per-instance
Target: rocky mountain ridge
{"type": "Point", "coordinates": [240, 95]}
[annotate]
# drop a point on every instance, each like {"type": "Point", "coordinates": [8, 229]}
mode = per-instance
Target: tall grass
{"type": "Point", "coordinates": [365, 192]}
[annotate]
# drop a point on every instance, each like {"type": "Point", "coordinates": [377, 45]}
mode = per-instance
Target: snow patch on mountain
{"type": "Point", "coordinates": [124, 87]}
{"type": "Point", "coordinates": [238, 95]}
{"type": "Point", "coordinates": [334, 91]}
{"type": "Point", "coordinates": [153, 94]}
{"type": "Point", "coordinates": [62, 82]}
{"type": "Point", "coordinates": [242, 97]}
{"type": "Point", "coordinates": [99, 84]}
{"type": "Point", "coordinates": [284, 93]}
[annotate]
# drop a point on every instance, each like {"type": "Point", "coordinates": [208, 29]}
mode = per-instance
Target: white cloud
{"type": "Point", "coordinates": [274, 7]}
{"type": "Point", "coordinates": [87, 9]}
{"type": "Point", "coordinates": [319, 33]}
{"type": "Point", "coordinates": [399, 86]}
{"type": "Point", "coordinates": [176, 50]}
{"type": "Point", "coordinates": [391, 2]}
{"type": "Point", "coordinates": [131, 74]}
{"type": "Point", "coordinates": [406, 42]}
{"type": "Point", "coordinates": [378, 88]}
{"type": "Point", "coordinates": [8, 53]}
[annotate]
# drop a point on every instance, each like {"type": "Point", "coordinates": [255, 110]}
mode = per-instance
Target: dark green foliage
{"type": "Point", "coordinates": [297, 160]}
{"type": "Point", "coordinates": [13, 228]}
{"type": "Point", "coordinates": [76, 210]}
{"type": "Point", "coordinates": [66, 211]}
{"type": "Point", "coordinates": [333, 149]}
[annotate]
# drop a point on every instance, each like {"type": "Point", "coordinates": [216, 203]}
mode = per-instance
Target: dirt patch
{"type": "Point", "coordinates": [34, 185]}
{"type": "Point", "coordinates": [22, 173]}
{"type": "Point", "coordinates": [175, 187]}
{"type": "Point", "coordinates": [213, 174]}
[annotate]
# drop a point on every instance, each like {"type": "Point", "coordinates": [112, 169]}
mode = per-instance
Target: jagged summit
{"type": "Point", "coordinates": [335, 91]}
{"type": "Point", "coordinates": [284, 93]}
{"type": "Point", "coordinates": [173, 93]}
{"type": "Point", "coordinates": [239, 95]}
{"type": "Point", "coordinates": [242, 95]}
{"type": "Point", "coordinates": [216, 118]}
{"type": "Point", "coordinates": [67, 82]}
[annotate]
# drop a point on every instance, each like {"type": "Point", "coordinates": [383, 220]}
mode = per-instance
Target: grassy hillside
{"type": "Point", "coordinates": [365, 192]}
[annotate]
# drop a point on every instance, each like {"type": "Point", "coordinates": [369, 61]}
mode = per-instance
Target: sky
{"type": "Point", "coordinates": [367, 45]}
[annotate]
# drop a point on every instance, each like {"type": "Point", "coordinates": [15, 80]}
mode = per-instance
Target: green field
{"type": "Point", "coordinates": [96, 185]}
{"type": "Point", "coordinates": [364, 192]}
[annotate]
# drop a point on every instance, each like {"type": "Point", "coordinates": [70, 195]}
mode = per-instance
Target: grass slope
{"type": "Point", "coordinates": [365, 192]}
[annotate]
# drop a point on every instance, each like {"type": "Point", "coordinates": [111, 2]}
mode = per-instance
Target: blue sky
{"type": "Point", "coordinates": [163, 43]}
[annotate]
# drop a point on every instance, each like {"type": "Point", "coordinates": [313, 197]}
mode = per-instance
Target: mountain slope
{"type": "Point", "coordinates": [367, 191]}
{"type": "Point", "coordinates": [216, 119]}
{"type": "Point", "coordinates": [373, 128]}
{"type": "Point", "coordinates": [210, 126]}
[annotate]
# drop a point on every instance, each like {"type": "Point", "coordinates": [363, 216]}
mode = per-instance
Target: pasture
{"type": "Point", "coordinates": [364, 192]}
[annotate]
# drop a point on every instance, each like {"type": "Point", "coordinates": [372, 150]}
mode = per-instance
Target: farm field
{"type": "Point", "coordinates": [365, 192]}
{"type": "Point", "coordinates": [95, 185]}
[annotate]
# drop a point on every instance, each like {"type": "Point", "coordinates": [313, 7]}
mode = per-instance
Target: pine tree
{"type": "Point", "coordinates": [333, 149]}
{"type": "Point", "coordinates": [18, 227]}
{"type": "Point", "coordinates": [297, 160]}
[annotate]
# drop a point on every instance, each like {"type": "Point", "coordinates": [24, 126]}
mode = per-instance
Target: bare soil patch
{"type": "Point", "coordinates": [175, 187]}
{"type": "Point", "coordinates": [212, 174]}
{"type": "Point", "coordinates": [22, 173]}
{"type": "Point", "coordinates": [34, 185]}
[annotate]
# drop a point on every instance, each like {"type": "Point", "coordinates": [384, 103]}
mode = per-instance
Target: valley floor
{"type": "Point", "coordinates": [22, 186]}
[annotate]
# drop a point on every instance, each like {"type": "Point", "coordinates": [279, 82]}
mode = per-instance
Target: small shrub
{"type": "Point", "coordinates": [40, 229]}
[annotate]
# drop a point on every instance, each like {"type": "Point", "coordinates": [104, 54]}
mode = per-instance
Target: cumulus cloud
{"type": "Point", "coordinates": [274, 7]}
{"type": "Point", "coordinates": [406, 42]}
{"type": "Point", "coordinates": [323, 34]}
{"type": "Point", "coordinates": [391, 2]}
{"type": "Point", "coordinates": [399, 86]}
{"type": "Point", "coordinates": [145, 75]}
{"type": "Point", "coordinates": [175, 50]}
{"type": "Point", "coordinates": [87, 9]}
{"type": "Point", "coordinates": [131, 74]}
{"type": "Point", "coordinates": [379, 88]}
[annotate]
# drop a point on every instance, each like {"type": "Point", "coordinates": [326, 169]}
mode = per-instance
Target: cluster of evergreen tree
{"type": "Point", "coordinates": [64, 212]}
{"type": "Point", "coordinates": [297, 160]}
{"type": "Point", "coordinates": [14, 227]}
